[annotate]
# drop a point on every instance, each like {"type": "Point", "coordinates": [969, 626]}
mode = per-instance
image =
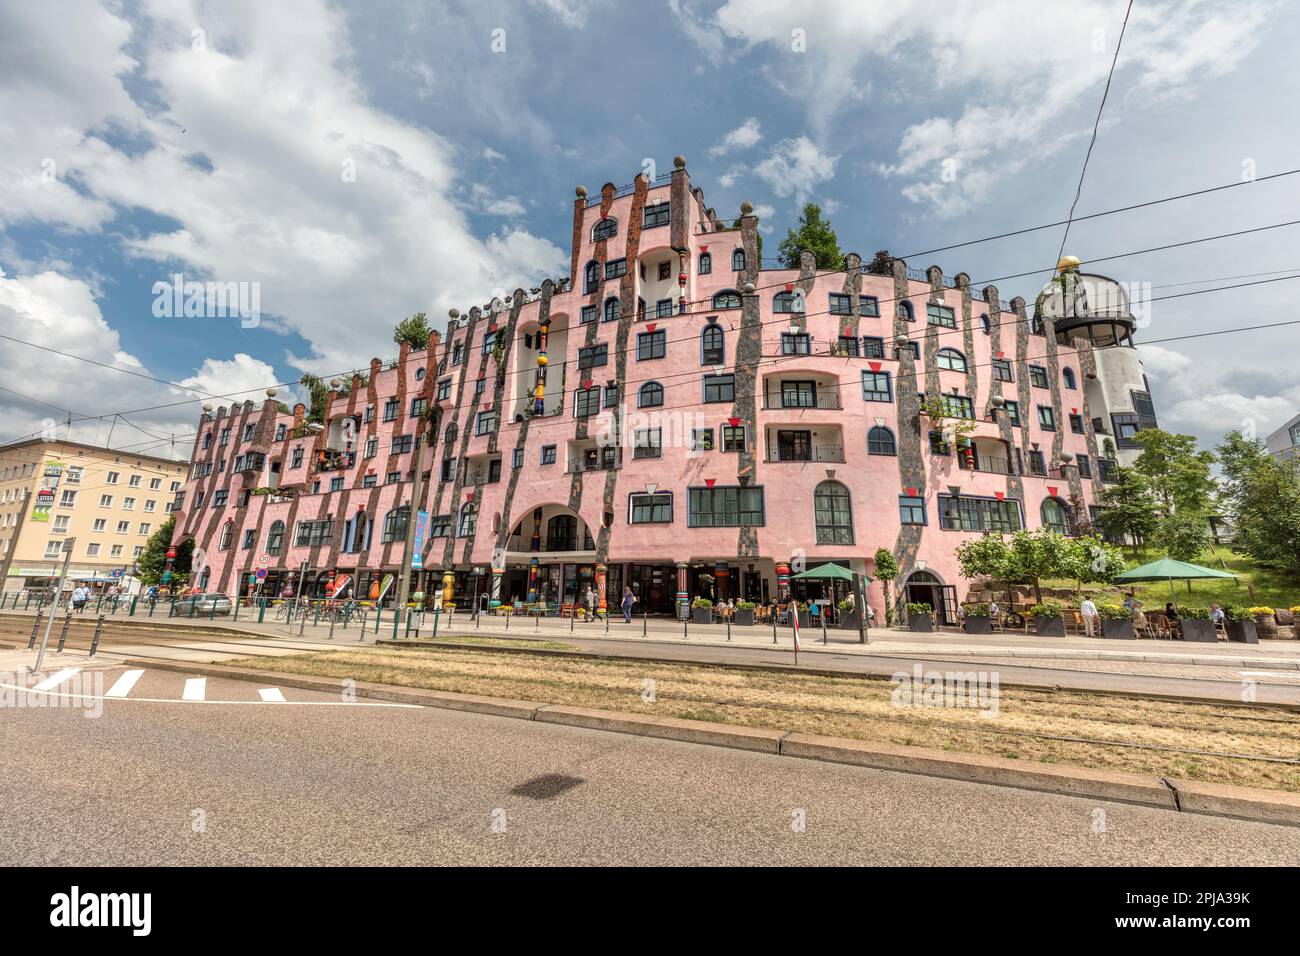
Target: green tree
{"type": "Point", "coordinates": [414, 330]}
{"type": "Point", "coordinates": [1089, 560]}
{"type": "Point", "coordinates": [319, 397]}
{"type": "Point", "coordinates": [1184, 535]}
{"type": "Point", "coordinates": [886, 571]}
{"type": "Point", "coordinates": [1128, 508]}
{"type": "Point", "coordinates": [1261, 496]}
{"type": "Point", "coordinates": [985, 557]}
{"type": "Point", "coordinates": [1034, 555]}
{"type": "Point", "coordinates": [153, 560]}
{"type": "Point", "coordinates": [816, 235]}
{"type": "Point", "coordinates": [1177, 474]}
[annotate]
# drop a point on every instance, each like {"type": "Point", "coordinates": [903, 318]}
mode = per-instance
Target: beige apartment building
{"type": "Point", "coordinates": [110, 501]}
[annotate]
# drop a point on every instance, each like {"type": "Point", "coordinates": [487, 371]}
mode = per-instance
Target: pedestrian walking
{"type": "Point", "coordinates": [590, 602]}
{"type": "Point", "coordinates": [1088, 611]}
{"type": "Point", "coordinates": [80, 597]}
{"type": "Point", "coordinates": [629, 599]}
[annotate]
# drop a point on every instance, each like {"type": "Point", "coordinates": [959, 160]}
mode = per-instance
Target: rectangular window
{"type": "Point", "coordinates": [369, 415]}
{"type": "Point", "coordinates": [249, 431]}
{"type": "Point", "coordinates": [979, 514]}
{"type": "Point", "coordinates": [615, 268]}
{"type": "Point", "coordinates": [369, 481]}
{"type": "Point", "coordinates": [657, 215]}
{"type": "Point", "coordinates": [651, 509]}
{"type": "Point", "coordinates": [111, 478]}
{"type": "Point", "coordinates": [313, 533]}
{"type": "Point", "coordinates": [664, 308]}
{"type": "Point", "coordinates": [587, 402]}
{"type": "Point", "coordinates": [651, 345]}
{"type": "Point", "coordinates": [796, 343]}
{"type": "Point", "coordinates": [401, 444]}
{"type": "Point", "coordinates": [390, 409]}
{"type": "Point", "coordinates": [665, 270]}
{"type": "Point", "coordinates": [92, 550]}
{"type": "Point", "coordinates": [869, 305]}
{"type": "Point", "coordinates": [1076, 424]}
{"type": "Point", "coordinates": [128, 504]}
{"type": "Point", "coordinates": [1038, 376]}
{"type": "Point", "coordinates": [517, 458]}
{"type": "Point", "coordinates": [372, 446]}
{"type": "Point", "coordinates": [1037, 465]}
{"type": "Point", "coordinates": [798, 394]}
{"type": "Point", "coordinates": [100, 524]}
{"type": "Point", "coordinates": [725, 507]}
{"type": "Point", "coordinates": [440, 526]}
{"type": "Point", "coordinates": [250, 537]}
{"type": "Point", "coordinates": [280, 430]}
{"type": "Point", "coordinates": [1013, 412]}
{"type": "Point", "coordinates": [295, 460]}
{"type": "Point", "coordinates": [336, 484]}
{"type": "Point", "coordinates": [392, 478]}
{"type": "Point", "coordinates": [733, 438]}
{"type": "Point", "coordinates": [105, 501]}
{"type": "Point", "coordinates": [1002, 370]}
{"type": "Point", "coordinates": [877, 387]}
{"type": "Point", "coordinates": [418, 406]}
{"type": "Point", "coordinates": [841, 304]}
{"type": "Point", "coordinates": [701, 439]}
{"type": "Point", "coordinates": [593, 356]}
{"type": "Point", "coordinates": [123, 527]}
{"type": "Point", "coordinates": [873, 347]}
{"type": "Point", "coordinates": [444, 390]}
{"type": "Point", "coordinates": [486, 423]}
{"type": "Point", "coordinates": [588, 314]}
{"type": "Point", "coordinates": [1085, 466]}
{"type": "Point", "coordinates": [548, 454]}
{"type": "Point", "coordinates": [1047, 418]}
{"type": "Point", "coordinates": [849, 346]}
{"type": "Point", "coordinates": [911, 510]}
{"type": "Point", "coordinates": [611, 396]}
{"type": "Point", "coordinates": [940, 315]}
{"type": "Point", "coordinates": [458, 353]}
{"type": "Point", "coordinates": [719, 388]}
{"type": "Point", "coordinates": [647, 443]}
{"type": "Point", "coordinates": [220, 497]}
{"type": "Point", "coordinates": [134, 480]}
{"type": "Point", "coordinates": [1145, 408]}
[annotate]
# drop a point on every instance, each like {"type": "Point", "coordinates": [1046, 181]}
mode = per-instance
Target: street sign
{"type": "Point", "coordinates": [116, 572]}
{"type": "Point", "coordinates": [263, 560]}
{"type": "Point", "coordinates": [252, 579]}
{"type": "Point", "coordinates": [260, 574]}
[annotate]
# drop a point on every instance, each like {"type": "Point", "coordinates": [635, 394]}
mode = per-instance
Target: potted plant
{"type": "Point", "coordinates": [1241, 624]}
{"type": "Point", "coordinates": [848, 615]}
{"type": "Point", "coordinates": [744, 613]}
{"type": "Point", "coordinates": [801, 608]}
{"type": "Point", "coordinates": [1196, 625]}
{"type": "Point", "coordinates": [977, 618]}
{"type": "Point", "coordinates": [1265, 622]}
{"type": "Point", "coordinates": [1116, 621]}
{"type": "Point", "coordinates": [918, 617]}
{"type": "Point", "coordinates": [1048, 620]}
{"type": "Point", "coordinates": [701, 611]}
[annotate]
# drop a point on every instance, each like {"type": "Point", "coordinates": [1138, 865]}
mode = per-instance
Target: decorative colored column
{"type": "Point", "coordinates": [532, 581]}
{"type": "Point", "coordinates": [722, 578]}
{"type": "Point", "coordinates": [495, 599]}
{"type": "Point", "coordinates": [539, 386]}
{"type": "Point", "coordinates": [782, 581]}
{"type": "Point", "coordinates": [683, 598]}
{"type": "Point", "coordinates": [448, 586]}
{"type": "Point", "coordinates": [602, 573]}
{"type": "Point", "coordinates": [167, 570]}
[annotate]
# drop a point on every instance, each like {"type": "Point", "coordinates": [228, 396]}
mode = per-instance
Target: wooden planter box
{"type": "Point", "coordinates": [701, 615]}
{"type": "Point", "coordinates": [1242, 632]}
{"type": "Point", "coordinates": [1119, 628]}
{"type": "Point", "coordinates": [978, 624]}
{"type": "Point", "coordinates": [744, 618]}
{"type": "Point", "coordinates": [1049, 626]}
{"type": "Point", "coordinates": [848, 620]}
{"type": "Point", "coordinates": [805, 619]}
{"type": "Point", "coordinates": [919, 622]}
{"type": "Point", "coordinates": [1201, 632]}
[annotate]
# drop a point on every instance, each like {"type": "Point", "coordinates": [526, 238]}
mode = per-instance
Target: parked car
{"type": "Point", "coordinates": [203, 604]}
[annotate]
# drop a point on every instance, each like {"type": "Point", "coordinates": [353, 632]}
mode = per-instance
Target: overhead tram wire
{"type": "Point", "coordinates": [1096, 124]}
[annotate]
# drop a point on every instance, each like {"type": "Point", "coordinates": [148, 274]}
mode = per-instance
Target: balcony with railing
{"type": "Point", "coordinates": [789, 393]}
{"type": "Point", "coordinates": [594, 459]}
{"type": "Point", "coordinates": [805, 453]}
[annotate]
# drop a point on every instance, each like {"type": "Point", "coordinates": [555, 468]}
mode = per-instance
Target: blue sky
{"type": "Point", "coordinates": [362, 163]}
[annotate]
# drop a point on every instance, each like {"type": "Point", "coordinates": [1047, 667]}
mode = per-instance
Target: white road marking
{"type": "Point", "coordinates": [54, 680]}
{"type": "Point", "coordinates": [249, 703]}
{"type": "Point", "coordinates": [195, 688]}
{"type": "Point", "coordinates": [272, 695]}
{"type": "Point", "coordinates": [122, 686]}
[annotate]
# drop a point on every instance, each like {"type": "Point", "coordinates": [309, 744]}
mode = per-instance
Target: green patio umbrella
{"type": "Point", "coordinates": [829, 572]}
{"type": "Point", "coordinates": [1167, 569]}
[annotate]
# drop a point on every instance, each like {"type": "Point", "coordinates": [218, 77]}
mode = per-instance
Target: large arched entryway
{"type": "Point", "coordinates": [926, 587]}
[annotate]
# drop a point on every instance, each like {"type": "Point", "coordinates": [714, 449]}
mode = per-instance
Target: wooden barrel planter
{"type": "Point", "coordinates": [1266, 627]}
{"type": "Point", "coordinates": [1199, 631]}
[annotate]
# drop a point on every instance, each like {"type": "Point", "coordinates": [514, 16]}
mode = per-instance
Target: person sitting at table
{"type": "Point", "coordinates": [1171, 613]}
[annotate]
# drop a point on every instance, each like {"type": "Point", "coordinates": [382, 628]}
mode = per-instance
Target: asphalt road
{"type": "Point", "coordinates": [317, 781]}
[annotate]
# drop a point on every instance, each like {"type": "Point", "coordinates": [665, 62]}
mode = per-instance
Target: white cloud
{"type": "Point", "coordinates": [795, 167]}
{"type": "Point", "coordinates": [491, 155]}
{"type": "Point", "coordinates": [240, 373]}
{"type": "Point", "coordinates": [743, 136]}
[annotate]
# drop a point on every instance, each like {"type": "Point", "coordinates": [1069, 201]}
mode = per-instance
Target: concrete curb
{"type": "Point", "coordinates": [1187, 796]}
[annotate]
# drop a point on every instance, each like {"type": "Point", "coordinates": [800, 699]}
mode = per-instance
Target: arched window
{"type": "Point", "coordinates": [713, 345]}
{"type": "Point", "coordinates": [905, 311]}
{"type": "Point", "coordinates": [880, 441]}
{"type": "Point", "coordinates": [1055, 515]}
{"type": "Point", "coordinates": [1068, 375]}
{"type": "Point", "coordinates": [613, 309]}
{"type": "Point", "coordinates": [592, 274]}
{"type": "Point", "coordinates": [451, 434]}
{"type": "Point", "coordinates": [738, 260]}
{"type": "Point", "coordinates": [706, 264]}
{"type": "Point", "coordinates": [986, 325]}
{"type": "Point", "coordinates": [650, 395]}
{"type": "Point", "coordinates": [783, 303]}
{"type": "Point", "coordinates": [726, 299]}
{"type": "Point", "coordinates": [952, 360]}
{"type": "Point", "coordinates": [562, 533]}
{"type": "Point", "coordinates": [275, 538]}
{"type": "Point", "coordinates": [227, 533]}
{"type": "Point", "coordinates": [605, 229]}
{"type": "Point", "coordinates": [395, 523]}
{"type": "Point", "coordinates": [357, 542]}
{"type": "Point", "coordinates": [833, 513]}
{"type": "Point", "coordinates": [468, 520]}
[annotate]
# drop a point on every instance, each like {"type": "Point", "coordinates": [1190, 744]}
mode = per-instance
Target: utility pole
{"type": "Point", "coordinates": [417, 495]}
{"type": "Point", "coordinates": [68, 544]}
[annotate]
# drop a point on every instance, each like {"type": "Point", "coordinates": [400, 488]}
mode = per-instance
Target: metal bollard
{"type": "Point", "coordinates": [607, 622]}
{"type": "Point", "coordinates": [135, 599]}
{"type": "Point", "coordinates": [261, 609]}
{"type": "Point", "coordinates": [508, 616]}
{"type": "Point", "coordinates": [36, 627]}
{"type": "Point", "coordinates": [94, 641]}
{"type": "Point", "coordinates": [379, 612]}
{"type": "Point", "coordinates": [301, 627]}
{"type": "Point", "coordinates": [397, 616]}
{"type": "Point", "coordinates": [774, 627]}
{"type": "Point", "coordinates": [237, 603]}
{"type": "Point", "coordinates": [572, 616]}
{"type": "Point", "coordinates": [316, 620]}
{"type": "Point", "coordinates": [437, 613]}
{"type": "Point", "coordinates": [645, 622]}
{"type": "Point", "coordinates": [537, 621]}
{"type": "Point", "coordinates": [728, 628]}
{"type": "Point", "coordinates": [823, 628]}
{"type": "Point", "coordinates": [63, 634]}
{"type": "Point", "coordinates": [685, 623]}
{"type": "Point", "coordinates": [407, 633]}
{"type": "Point", "coordinates": [332, 616]}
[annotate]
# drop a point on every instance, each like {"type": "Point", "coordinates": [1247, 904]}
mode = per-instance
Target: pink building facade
{"type": "Point", "coordinates": [671, 417]}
